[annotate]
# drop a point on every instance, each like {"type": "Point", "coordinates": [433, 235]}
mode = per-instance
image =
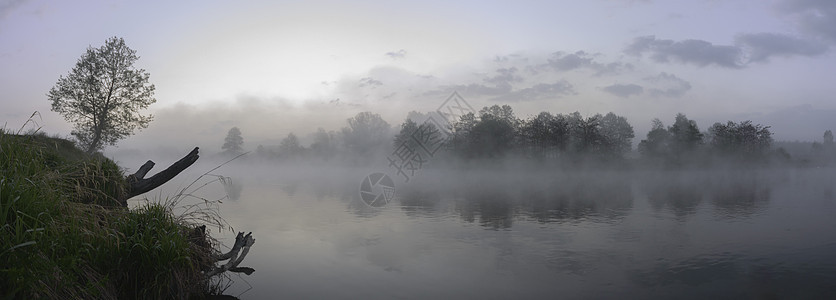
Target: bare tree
{"type": "Point", "coordinates": [103, 95]}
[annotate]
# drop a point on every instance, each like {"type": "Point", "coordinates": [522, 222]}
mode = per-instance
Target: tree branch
{"type": "Point", "coordinates": [137, 184]}
{"type": "Point", "coordinates": [242, 244]}
{"type": "Point", "coordinates": [140, 174]}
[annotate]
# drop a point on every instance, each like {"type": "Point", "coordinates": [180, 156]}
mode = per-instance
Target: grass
{"type": "Point", "coordinates": [64, 234]}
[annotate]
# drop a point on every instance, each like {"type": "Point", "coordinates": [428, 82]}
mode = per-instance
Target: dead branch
{"type": "Point", "coordinates": [138, 184]}
{"type": "Point", "coordinates": [242, 245]}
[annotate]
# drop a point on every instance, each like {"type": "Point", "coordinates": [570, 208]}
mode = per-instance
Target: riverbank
{"type": "Point", "coordinates": [65, 235]}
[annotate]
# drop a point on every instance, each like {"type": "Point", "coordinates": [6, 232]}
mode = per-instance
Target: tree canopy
{"type": "Point", "coordinates": [365, 132]}
{"type": "Point", "coordinates": [103, 95]}
{"type": "Point", "coordinates": [233, 142]}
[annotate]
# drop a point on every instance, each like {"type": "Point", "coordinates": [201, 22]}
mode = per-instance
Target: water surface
{"type": "Point", "coordinates": [500, 235]}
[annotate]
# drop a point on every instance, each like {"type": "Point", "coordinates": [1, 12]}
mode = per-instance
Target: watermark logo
{"type": "Point", "coordinates": [377, 190]}
{"type": "Point", "coordinates": [453, 108]}
{"type": "Point", "coordinates": [423, 144]}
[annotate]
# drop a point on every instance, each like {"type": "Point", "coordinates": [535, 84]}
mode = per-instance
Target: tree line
{"type": "Point", "coordinates": [495, 132]}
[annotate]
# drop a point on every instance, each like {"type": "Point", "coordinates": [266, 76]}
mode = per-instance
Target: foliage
{"type": "Point", "coordinates": [365, 132]}
{"type": "Point", "coordinates": [494, 134]}
{"type": "Point", "coordinates": [61, 236]}
{"type": "Point", "coordinates": [685, 135]}
{"type": "Point", "coordinates": [676, 145]}
{"type": "Point", "coordinates": [497, 132]}
{"type": "Point", "coordinates": [545, 135]}
{"type": "Point", "coordinates": [233, 143]}
{"type": "Point", "coordinates": [618, 135]}
{"type": "Point", "coordinates": [585, 133]}
{"type": "Point", "coordinates": [290, 147]}
{"type": "Point", "coordinates": [103, 95]}
{"type": "Point", "coordinates": [407, 128]}
{"type": "Point", "coordinates": [742, 140]}
{"type": "Point", "coordinates": [324, 144]}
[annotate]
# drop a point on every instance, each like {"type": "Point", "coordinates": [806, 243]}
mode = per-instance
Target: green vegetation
{"type": "Point", "coordinates": [103, 94]}
{"type": "Point", "coordinates": [65, 235]}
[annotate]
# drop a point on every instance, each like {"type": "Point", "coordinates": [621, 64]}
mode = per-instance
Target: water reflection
{"type": "Point", "coordinates": [596, 197]}
{"type": "Point", "coordinates": [740, 196]}
{"type": "Point", "coordinates": [232, 187]}
{"type": "Point", "coordinates": [661, 235]}
{"type": "Point", "coordinates": [417, 202]}
{"type": "Point", "coordinates": [578, 199]}
{"type": "Point", "coordinates": [675, 193]}
{"type": "Point", "coordinates": [493, 208]}
{"type": "Point", "coordinates": [732, 194]}
{"type": "Point", "coordinates": [496, 202]}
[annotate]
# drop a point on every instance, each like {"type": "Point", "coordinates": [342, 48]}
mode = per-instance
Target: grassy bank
{"type": "Point", "coordinates": [64, 235]}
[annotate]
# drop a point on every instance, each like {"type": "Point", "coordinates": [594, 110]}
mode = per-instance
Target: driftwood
{"type": "Point", "coordinates": [138, 184]}
{"type": "Point", "coordinates": [242, 245]}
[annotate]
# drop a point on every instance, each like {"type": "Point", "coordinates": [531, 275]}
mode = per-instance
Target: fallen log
{"type": "Point", "coordinates": [138, 184]}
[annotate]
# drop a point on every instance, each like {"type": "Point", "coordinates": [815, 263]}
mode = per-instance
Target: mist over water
{"type": "Point", "coordinates": [653, 151]}
{"type": "Point", "coordinates": [509, 230]}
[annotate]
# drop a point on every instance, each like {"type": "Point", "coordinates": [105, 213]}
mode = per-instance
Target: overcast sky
{"type": "Point", "coordinates": [274, 67]}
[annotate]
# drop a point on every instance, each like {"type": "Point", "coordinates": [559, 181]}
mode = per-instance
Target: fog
{"type": "Point", "coordinates": [483, 203]}
{"type": "Point", "coordinates": [437, 149]}
{"type": "Point", "coordinates": [512, 227]}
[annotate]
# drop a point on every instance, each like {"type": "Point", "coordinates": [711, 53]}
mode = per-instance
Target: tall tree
{"type": "Point", "coordinates": [103, 95]}
{"type": "Point", "coordinates": [504, 113]}
{"type": "Point", "coordinates": [535, 134]}
{"type": "Point", "coordinates": [618, 135]}
{"type": "Point", "coordinates": [656, 144]}
{"type": "Point", "coordinates": [746, 140]}
{"type": "Point", "coordinates": [324, 144]}
{"type": "Point", "coordinates": [585, 134]}
{"type": "Point", "coordinates": [365, 132]}
{"type": "Point", "coordinates": [685, 135]}
{"type": "Point", "coordinates": [459, 140]}
{"type": "Point", "coordinates": [407, 128]}
{"type": "Point", "coordinates": [233, 142]}
{"type": "Point", "coordinates": [289, 146]}
{"type": "Point", "coordinates": [559, 133]}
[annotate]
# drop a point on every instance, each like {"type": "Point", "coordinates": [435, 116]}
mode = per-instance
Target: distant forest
{"type": "Point", "coordinates": [495, 133]}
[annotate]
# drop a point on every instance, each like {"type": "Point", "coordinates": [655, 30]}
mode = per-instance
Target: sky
{"type": "Point", "coordinates": [275, 67]}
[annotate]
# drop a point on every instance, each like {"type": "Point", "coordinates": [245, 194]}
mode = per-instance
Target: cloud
{"type": "Point", "coordinates": [496, 85]}
{"type": "Point", "coordinates": [515, 57]}
{"type": "Point", "coordinates": [624, 90]}
{"type": "Point", "coordinates": [565, 62]}
{"type": "Point", "coordinates": [667, 85]}
{"type": "Point", "coordinates": [562, 62]}
{"type": "Point", "coordinates": [396, 54]}
{"type": "Point", "coordinates": [814, 17]}
{"type": "Point", "coordinates": [762, 46]}
{"type": "Point", "coordinates": [613, 68]}
{"type": "Point", "coordinates": [504, 75]}
{"type": "Point", "coordinates": [370, 82]}
{"type": "Point", "coordinates": [7, 6]}
{"type": "Point", "coordinates": [538, 92]}
{"type": "Point", "coordinates": [697, 52]}
{"type": "Point", "coordinates": [473, 89]}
